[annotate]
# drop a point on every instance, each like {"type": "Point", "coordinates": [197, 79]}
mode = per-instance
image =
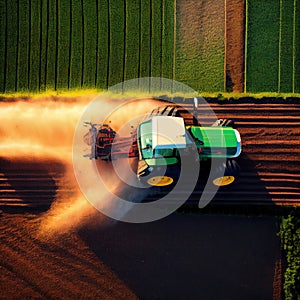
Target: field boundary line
{"type": "Point", "coordinates": [29, 46]}
{"type": "Point", "coordinates": [97, 43]}
{"type": "Point", "coordinates": [108, 43]}
{"type": "Point", "coordinates": [279, 46]}
{"type": "Point", "coordinates": [162, 39]}
{"type": "Point", "coordinates": [6, 50]}
{"type": "Point", "coordinates": [18, 47]}
{"type": "Point", "coordinates": [174, 43]}
{"type": "Point", "coordinates": [246, 45]}
{"type": "Point", "coordinates": [124, 43]}
{"type": "Point", "coordinates": [70, 44]}
{"type": "Point", "coordinates": [57, 44]}
{"type": "Point", "coordinates": [161, 42]}
{"type": "Point", "coordinates": [3, 84]}
{"type": "Point", "coordinates": [42, 45]}
{"type": "Point", "coordinates": [83, 42]}
{"type": "Point", "coordinates": [225, 46]}
{"type": "Point", "coordinates": [140, 42]}
{"type": "Point", "coordinates": [294, 47]}
{"type": "Point", "coordinates": [150, 44]}
{"type": "Point", "coordinates": [46, 45]}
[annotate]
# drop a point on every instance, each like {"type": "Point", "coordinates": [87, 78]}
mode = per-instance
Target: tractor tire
{"type": "Point", "coordinates": [162, 180]}
{"type": "Point", "coordinates": [227, 173]}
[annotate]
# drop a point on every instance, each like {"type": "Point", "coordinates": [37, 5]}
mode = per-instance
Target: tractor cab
{"type": "Point", "coordinates": [159, 139]}
{"type": "Point", "coordinates": [161, 136]}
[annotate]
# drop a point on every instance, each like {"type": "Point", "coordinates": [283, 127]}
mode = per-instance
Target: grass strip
{"type": "Point", "coordinates": [248, 97]}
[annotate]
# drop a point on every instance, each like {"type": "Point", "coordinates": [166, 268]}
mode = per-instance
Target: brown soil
{"type": "Point", "coordinates": [100, 264]}
{"type": "Point", "coordinates": [149, 258]}
{"type": "Point", "coordinates": [235, 35]}
{"type": "Point", "coordinates": [277, 284]}
{"type": "Point", "coordinates": [56, 268]}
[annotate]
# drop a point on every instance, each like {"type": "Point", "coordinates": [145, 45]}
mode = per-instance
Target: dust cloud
{"type": "Point", "coordinates": [43, 129]}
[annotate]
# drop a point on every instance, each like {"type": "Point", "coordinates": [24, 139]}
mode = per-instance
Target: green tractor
{"type": "Point", "coordinates": [166, 134]}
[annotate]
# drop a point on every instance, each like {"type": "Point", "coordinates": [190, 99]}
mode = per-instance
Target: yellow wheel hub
{"type": "Point", "coordinates": [160, 181]}
{"type": "Point", "coordinates": [224, 180]}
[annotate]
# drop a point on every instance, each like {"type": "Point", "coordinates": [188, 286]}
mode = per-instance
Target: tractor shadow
{"type": "Point", "coordinates": [185, 256]}
{"type": "Point", "coordinates": [248, 190]}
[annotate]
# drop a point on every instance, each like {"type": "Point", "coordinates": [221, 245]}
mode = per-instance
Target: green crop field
{"type": "Point", "coordinates": [296, 47]}
{"type": "Point", "coordinates": [94, 44]}
{"type": "Point", "coordinates": [75, 67]}
{"type": "Point", "coordinates": [272, 46]}
{"type": "Point", "coordinates": [71, 44]}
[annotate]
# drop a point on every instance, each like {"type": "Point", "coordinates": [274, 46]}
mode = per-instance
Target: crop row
{"type": "Point", "coordinates": [66, 44]}
{"type": "Point", "coordinates": [272, 46]}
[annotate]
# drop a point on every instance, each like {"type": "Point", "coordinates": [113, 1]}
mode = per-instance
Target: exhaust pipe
{"type": "Point", "coordinates": [195, 107]}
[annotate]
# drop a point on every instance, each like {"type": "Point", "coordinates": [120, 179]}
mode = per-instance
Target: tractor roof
{"type": "Point", "coordinates": [163, 132]}
{"type": "Point", "coordinates": [168, 132]}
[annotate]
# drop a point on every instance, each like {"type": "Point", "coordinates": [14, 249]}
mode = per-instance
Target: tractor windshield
{"type": "Point", "coordinates": [145, 140]}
